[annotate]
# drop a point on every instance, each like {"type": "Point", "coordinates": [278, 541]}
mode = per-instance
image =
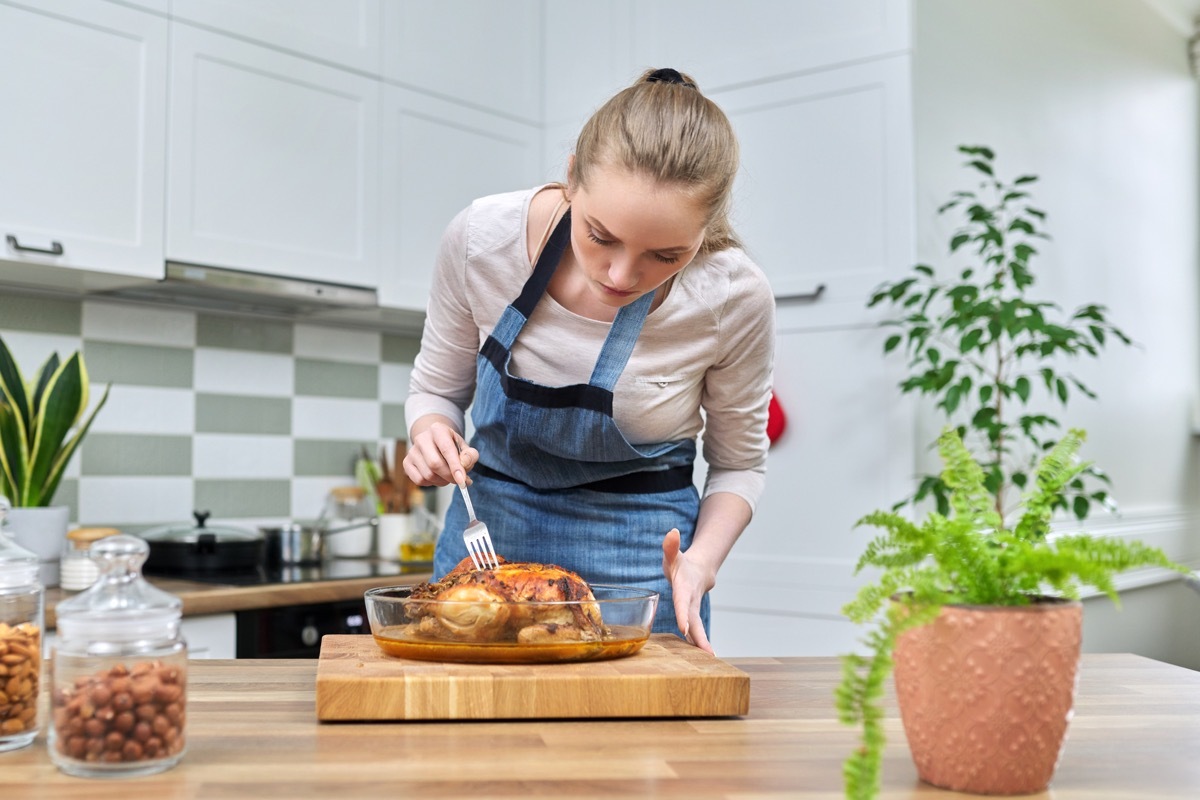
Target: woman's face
{"type": "Point", "coordinates": [630, 233]}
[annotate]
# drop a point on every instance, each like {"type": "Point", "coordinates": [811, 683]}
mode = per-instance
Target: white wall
{"type": "Point", "coordinates": [1096, 97]}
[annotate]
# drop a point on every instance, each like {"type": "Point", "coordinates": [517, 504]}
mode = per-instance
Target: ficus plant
{"type": "Point", "coordinates": [42, 423]}
{"type": "Point", "coordinates": [986, 352]}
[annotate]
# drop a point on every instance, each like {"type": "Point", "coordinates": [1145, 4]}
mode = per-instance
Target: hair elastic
{"type": "Point", "coordinates": [668, 75]}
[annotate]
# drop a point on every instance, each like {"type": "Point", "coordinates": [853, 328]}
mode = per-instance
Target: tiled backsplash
{"type": "Point", "coordinates": [244, 417]}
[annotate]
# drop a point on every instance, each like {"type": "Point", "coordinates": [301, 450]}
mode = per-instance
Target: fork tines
{"type": "Point", "coordinates": [479, 547]}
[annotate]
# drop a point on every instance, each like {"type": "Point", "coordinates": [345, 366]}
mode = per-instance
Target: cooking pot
{"type": "Point", "coordinates": [301, 542]}
{"type": "Point", "coordinates": [183, 548]}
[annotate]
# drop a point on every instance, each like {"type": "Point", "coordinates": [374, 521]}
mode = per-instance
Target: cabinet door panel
{"type": "Point", "coordinates": [438, 157]}
{"type": "Point", "coordinates": [824, 196]}
{"type": "Point", "coordinates": [345, 32]}
{"type": "Point", "coordinates": [274, 162]}
{"type": "Point", "coordinates": [847, 451]}
{"type": "Point", "coordinates": [492, 62]}
{"type": "Point", "coordinates": [761, 39]}
{"type": "Point", "coordinates": [82, 141]}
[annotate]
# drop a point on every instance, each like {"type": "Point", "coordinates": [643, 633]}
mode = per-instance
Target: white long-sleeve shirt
{"type": "Point", "coordinates": [702, 364]}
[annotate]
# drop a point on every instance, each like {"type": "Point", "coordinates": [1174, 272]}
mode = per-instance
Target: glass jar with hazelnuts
{"type": "Point", "coordinates": [119, 672]}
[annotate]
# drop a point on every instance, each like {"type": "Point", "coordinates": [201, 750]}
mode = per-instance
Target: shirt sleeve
{"type": "Point", "coordinates": [737, 391]}
{"type": "Point", "coordinates": [443, 375]}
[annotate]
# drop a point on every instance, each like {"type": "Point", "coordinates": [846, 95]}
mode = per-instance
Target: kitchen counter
{"type": "Point", "coordinates": [213, 598]}
{"type": "Point", "coordinates": [253, 733]}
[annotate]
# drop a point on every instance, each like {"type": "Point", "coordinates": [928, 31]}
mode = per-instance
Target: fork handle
{"type": "Point", "coordinates": [462, 487]}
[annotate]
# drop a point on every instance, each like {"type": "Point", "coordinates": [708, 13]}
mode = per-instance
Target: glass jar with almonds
{"type": "Point", "coordinates": [119, 674]}
{"type": "Point", "coordinates": [20, 641]}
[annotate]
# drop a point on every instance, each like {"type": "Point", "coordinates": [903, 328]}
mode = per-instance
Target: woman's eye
{"type": "Point", "coordinates": [666, 259]}
{"type": "Point", "coordinates": [602, 242]}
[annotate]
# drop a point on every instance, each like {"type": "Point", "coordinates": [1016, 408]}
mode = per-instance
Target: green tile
{"type": "Point", "coordinates": [139, 364]}
{"type": "Point", "coordinates": [136, 454]}
{"type": "Point", "coordinates": [322, 457]}
{"type": "Point", "coordinates": [240, 333]}
{"type": "Point", "coordinates": [399, 349]}
{"type": "Point", "coordinates": [391, 421]}
{"type": "Point", "coordinates": [67, 494]}
{"type": "Point", "coordinates": [227, 413]}
{"type": "Point", "coordinates": [244, 498]}
{"type": "Point", "coordinates": [316, 378]}
{"type": "Point", "coordinates": [40, 314]}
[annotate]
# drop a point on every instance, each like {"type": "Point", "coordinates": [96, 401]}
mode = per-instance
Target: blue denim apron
{"type": "Point", "coordinates": [557, 482]}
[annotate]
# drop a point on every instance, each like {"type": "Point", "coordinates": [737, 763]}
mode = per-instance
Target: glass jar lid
{"type": "Point", "coordinates": [121, 606]}
{"type": "Point", "coordinates": [18, 566]}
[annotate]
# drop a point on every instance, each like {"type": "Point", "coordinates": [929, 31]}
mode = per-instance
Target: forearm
{"type": "Point", "coordinates": [723, 517]}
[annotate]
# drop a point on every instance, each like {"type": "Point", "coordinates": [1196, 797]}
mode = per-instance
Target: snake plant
{"type": "Point", "coordinates": [42, 423]}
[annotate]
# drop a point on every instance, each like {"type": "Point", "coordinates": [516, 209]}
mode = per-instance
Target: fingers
{"type": "Point", "coordinates": [670, 548]}
{"type": "Point", "coordinates": [439, 456]}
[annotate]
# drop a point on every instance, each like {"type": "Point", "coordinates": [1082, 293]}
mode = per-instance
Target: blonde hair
{"type": "Point", "coordinates": [664, 128]}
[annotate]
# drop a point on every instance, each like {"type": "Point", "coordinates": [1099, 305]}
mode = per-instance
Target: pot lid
{"type": "Point", "coordinates": [184, 533]}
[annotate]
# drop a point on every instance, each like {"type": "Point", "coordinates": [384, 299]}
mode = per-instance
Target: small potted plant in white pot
{"type": "Point", "coordinates": [42, 423]}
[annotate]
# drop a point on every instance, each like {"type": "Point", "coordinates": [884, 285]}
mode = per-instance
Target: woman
{"type": "Point", "coordinates": [599, 328]}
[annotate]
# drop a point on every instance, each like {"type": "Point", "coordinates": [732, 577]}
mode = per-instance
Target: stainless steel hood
{"type": "Point", "coordinates": [201, 287]}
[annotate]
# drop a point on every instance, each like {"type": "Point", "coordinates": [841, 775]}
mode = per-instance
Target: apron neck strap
{"type": "Point", "coordinates": [543, 270]}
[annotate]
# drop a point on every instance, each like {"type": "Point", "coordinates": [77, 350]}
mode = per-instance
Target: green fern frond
{"type": "Point", "coordinates": [1053, 474]}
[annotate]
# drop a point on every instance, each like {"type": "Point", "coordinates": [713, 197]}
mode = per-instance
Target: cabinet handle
{"type": "Point", "coordinates": [55, 249]}
{"type": "Point", "coordinates": [803, 297]}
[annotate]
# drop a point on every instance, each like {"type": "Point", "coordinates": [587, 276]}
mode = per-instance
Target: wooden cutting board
{"type": "Point", "coordinates": [666, 678]}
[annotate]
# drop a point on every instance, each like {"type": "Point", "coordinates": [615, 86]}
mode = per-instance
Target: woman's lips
{"type": "Point", "coordinates": [615, 292]}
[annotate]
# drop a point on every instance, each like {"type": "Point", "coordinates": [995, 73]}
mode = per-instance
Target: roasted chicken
{"type": "Point", "coordinates": [520, 602]}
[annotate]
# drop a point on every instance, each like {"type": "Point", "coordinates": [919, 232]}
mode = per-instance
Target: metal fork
{"type": "Point", "coordinates": [477, 537]}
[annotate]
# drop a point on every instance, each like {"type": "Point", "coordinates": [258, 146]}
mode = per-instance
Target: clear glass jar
{"type": "Point", "coordinates": [77, 570]}
{"type": "Point", "coordinates": [119, 672]}
{"type": "Point", "coordinates": [21, 598]}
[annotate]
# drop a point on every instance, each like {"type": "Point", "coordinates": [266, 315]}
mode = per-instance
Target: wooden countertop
{"type": "Point", "coordinates": [252, 733]}
{"type": "Point", "coordinates": [213, 598]}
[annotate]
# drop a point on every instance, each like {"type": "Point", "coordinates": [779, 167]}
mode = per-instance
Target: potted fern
{"type": "Point", "coordinates": [975, 602]}
{"type": "Point", "coordinates": [980, 622]}
{"type": "Point", "coordinates": [42, 422]}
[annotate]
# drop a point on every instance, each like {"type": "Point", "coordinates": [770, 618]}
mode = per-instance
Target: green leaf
{"type": "Point", "coordinates": [1024, 179]}
{"type": "Point", "coordinates": [959, 240]}
{"type": "Point", "coordinates": [1060, 388]}
{"type": "Point", "coordinates": [1022, 388]}
{"type": "Point", "coordinates": [892, 343]}
{"type": "Point", "coordinates": [982, 166]}
{"type": "Point", "coordinates": [970, 341]}
{"type": "Point", "coordinates": [924, 269]}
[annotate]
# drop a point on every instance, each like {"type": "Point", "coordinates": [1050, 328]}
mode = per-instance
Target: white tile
{"type": "Point", "coordinates": [240, 372]}
{"type": "Point", "coordinates": [337, 344]}
{"type": "Point", "coordinates": [218, 455]}
{"type": "Point", "coordinates": [310, 494]}
{"type": "Point", "coordinates": [32, 349]}
{"type": "Point", "coordinates": [122, 322]}
{"type": "Point", "coordinates": [128, 500]}
{"type": "Point", "coordinates": [393, 382]}
{"type": "Point", "coordinates": [144, 409]}
{"type": "Point", "coordinates": [335, 418]}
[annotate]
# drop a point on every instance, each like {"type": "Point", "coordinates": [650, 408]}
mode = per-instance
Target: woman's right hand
{"type": "Point", "coordinates": [438, 455]}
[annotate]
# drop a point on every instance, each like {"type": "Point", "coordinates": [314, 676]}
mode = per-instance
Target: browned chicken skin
{"type": "Point", "coordinates": [514, 602]}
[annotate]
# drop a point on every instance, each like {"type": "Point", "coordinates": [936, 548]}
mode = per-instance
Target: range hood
{"type": "Point", "coordinates": [212, 288]}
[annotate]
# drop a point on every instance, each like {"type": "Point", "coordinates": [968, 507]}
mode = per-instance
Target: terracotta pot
{"type": "Point", "coordinates": [986, 693]}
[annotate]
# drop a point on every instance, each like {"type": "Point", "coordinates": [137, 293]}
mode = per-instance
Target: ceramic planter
{"type": "Point", "coordinates": [43, 531]}
{"type": "Point", "coordinates": [986, 692]}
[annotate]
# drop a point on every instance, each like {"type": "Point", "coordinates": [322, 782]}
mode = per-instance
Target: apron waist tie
{"type": "Point", "coordinates": [648, 482]}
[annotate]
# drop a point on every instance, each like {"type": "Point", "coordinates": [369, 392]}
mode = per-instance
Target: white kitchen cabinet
{"type": "Point", "coordinates": [478, 52]}
{"type": "Point", "coordinates": [847, 450]}
{"type": "Point", "coordinates": [82, 141]}
{"type": "Point", "coordinates": [273, 162]}
{"type": "Point", "coordinates": [824, 195]}
{"type": "Point", "coordinates": [438, 157]}
{"type": "Point", "coordinates": [343, 32]}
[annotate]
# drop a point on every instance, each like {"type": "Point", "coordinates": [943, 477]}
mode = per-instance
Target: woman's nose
{"type": "Point", "coordinates": [622, 273]}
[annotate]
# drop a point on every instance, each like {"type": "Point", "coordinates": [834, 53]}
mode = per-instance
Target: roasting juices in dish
{"type": "Point", "coordinates": [519, 612]}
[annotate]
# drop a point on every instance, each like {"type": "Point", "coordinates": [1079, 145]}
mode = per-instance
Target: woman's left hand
{"type": "Point", "coordinates": [689, 582]}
